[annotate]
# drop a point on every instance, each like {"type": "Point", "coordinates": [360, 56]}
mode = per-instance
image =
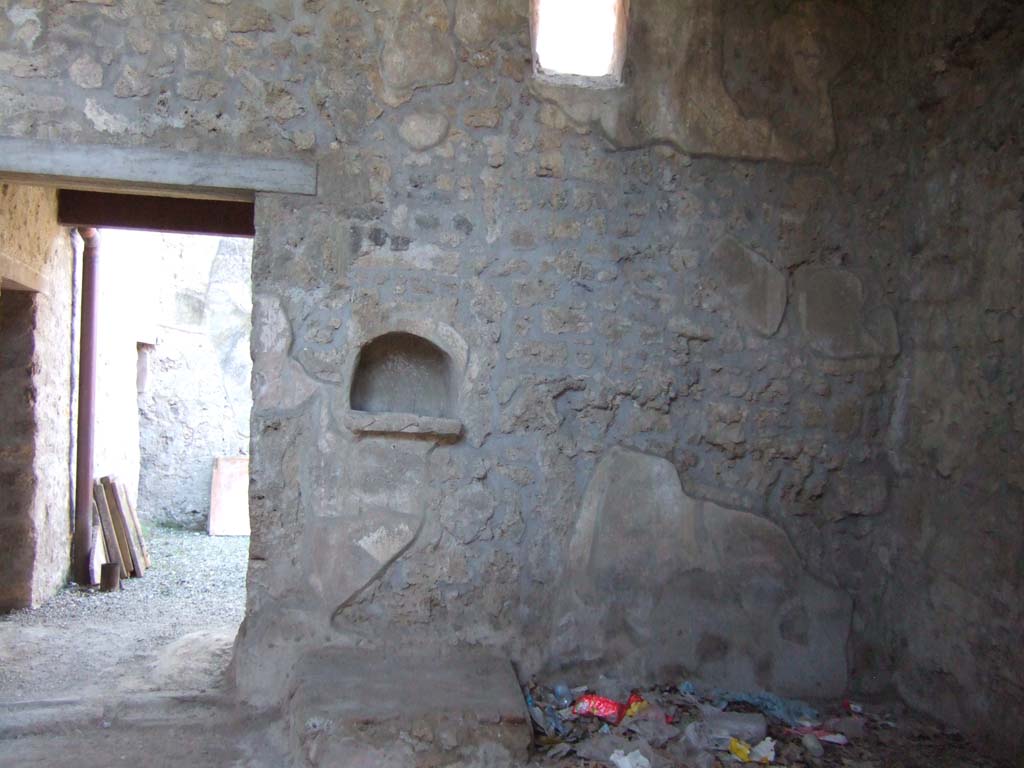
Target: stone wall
{"type": "Point", "coordinates": [954, 604]}
{"type": "Point", "coordinates": [35, 389]}
{"type": "Point", "coordinates": [714, 265]}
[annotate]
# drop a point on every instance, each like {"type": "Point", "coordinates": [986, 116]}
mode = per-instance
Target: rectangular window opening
{"type": "Point", "coordinates": [580, 42]}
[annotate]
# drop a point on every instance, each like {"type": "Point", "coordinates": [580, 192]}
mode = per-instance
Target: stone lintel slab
{"type": "Point", "coordinates": [364, 422]}
{"type": "Point", "coordinates": [171, 173]}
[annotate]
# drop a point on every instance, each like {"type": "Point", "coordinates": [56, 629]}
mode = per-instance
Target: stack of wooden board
{"type": "Point", "coordinates": [117, 533]}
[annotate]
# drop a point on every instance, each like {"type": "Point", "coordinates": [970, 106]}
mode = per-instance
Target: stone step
{"type": "Point", "coordinates": [21, 718]}
{"type": "Point", "coordinates": [356, 707]}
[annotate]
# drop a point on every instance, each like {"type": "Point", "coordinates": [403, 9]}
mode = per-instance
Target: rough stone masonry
{"type": "Point", "coordinates": [779, 268]}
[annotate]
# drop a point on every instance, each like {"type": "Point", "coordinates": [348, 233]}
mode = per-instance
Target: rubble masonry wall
{"type": "Point", "coordinates": [732, 263]}
{"type": "Point", "coordinates": [35, 398]}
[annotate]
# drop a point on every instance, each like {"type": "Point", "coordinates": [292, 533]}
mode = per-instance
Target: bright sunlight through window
{"type": "Point", "coordinates": [580, 38]}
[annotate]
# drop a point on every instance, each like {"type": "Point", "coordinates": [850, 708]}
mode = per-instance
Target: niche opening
{"type": "Point", "coordinates": [403, 383]}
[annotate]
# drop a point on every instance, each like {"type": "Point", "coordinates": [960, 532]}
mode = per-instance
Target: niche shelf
{"type": "Point", "coordinates": [401, 424]}
{"type": "Point", "coordinates": [403, 384]}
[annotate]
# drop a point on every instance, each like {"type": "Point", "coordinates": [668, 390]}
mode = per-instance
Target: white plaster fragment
{"type": "Point", "coordinates": [383, 543]}
{"type": "Point", "coordinates": [105, 121]}
{"type": "Point", "coordinates": [26, 22]}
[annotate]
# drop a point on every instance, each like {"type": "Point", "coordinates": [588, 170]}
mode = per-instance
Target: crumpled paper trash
{"type": "Point", "coordinates": [633, 760]}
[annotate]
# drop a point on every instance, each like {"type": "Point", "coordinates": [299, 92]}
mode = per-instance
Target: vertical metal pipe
{"type": "Point", "coordinates": [86, 406]}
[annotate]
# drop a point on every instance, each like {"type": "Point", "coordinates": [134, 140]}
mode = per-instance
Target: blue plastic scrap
{"type": "Point", "coordinates": [554, 722]}
{"type": "Point", "coordinates": [790, 711]}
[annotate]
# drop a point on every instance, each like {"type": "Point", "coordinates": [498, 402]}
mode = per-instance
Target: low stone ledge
{"type": "Point", "coordinates": [364, 422]}
{"type": "Point", "coordinates": [416, 708]}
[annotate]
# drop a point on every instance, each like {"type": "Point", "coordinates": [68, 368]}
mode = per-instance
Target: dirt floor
{"type": "Point", "coordinates": [135, 677]}
{"type": "Point", "coordinates": [138, 678]}
{"type": "Point", "coordinates": [170, 630]}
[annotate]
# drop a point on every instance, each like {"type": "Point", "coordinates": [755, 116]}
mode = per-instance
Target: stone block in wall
{"type": "Point", "coordinates": [836, 317]}
{"type": "Point", "coordinates": [418, 51]}
{"type": "Point", "coordinates": [478, 23]}
{"type": "Point", "coordinates": [754, 290]}
{"type": "Point", "coordinates": [423, 130]}
{"type": "Point", "coordinates": [660, 583]}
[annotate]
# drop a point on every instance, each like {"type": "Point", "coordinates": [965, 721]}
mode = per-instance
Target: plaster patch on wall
{"type": "Point", "coordinates": [677, 91]}
{"type": "Point", "coordinates": [384, 542]}
{"type": "Point", "coordinates": [106, 122]}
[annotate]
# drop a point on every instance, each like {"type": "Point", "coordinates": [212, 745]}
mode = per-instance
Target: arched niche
{"type": "Point", "coordinates": [403, 383]}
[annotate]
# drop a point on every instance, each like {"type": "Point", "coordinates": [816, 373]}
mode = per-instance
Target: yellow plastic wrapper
{"type": "Point", "coordinates": [740, 749]}
{"type": "Point", "coordinates": [635, 705]}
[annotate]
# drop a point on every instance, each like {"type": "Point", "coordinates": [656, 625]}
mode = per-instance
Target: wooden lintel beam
{"type": "Point", "coordinates": [227, 218]}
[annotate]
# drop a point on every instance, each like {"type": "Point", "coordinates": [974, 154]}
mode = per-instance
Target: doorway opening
{"type": "Point", "coordinates": [170, 422]}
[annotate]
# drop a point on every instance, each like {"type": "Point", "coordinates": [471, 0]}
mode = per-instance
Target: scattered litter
{"type": "Point", "coordinates": [562, 749]}
{"type": "Point", "coordinates": [691, 749]}
{"type": "Point", "coordinates": [740, 750]}
{"type": "Point", "coordinates": [635, 705]}
{"type": "Point", "coordinates": [851, 727]}
{"type": "Point", "coordinates": [764, 752]}
{"type": "Point", "coordinates": [852, 706]}
{"type": "Point", "coordinates": [651, 723]}
{"type": "Point", "coordinates": [723, 726]}
{"type": "Point", "coordinates": [687, 725]}
{"type": "Point", "coordinates": [553, 722]}
{"type": "Point", "coordinates": [609, 687]}
{"type": "Point", "coordinates": [812, 745]}
{"type": "Point", "coordinates": [695, 737]}
{"type": "Point", "coordinates": [789, 711]}
{"type": "Point", "coordinates": [537, 715]}
{"type": "Point", "coordinates": [598, 706]}
{"type": "Point", "coordinates": [598, 748]}
{"type": "Point", "coordinates": [633, 760]}
{"type": "Point", "coordinates": [820, 734]}
{"type": "Point", "coordinates": [563, 696]}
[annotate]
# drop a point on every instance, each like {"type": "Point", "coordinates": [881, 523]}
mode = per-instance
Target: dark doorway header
{"type": "Point", "coordinates": [163, 214]}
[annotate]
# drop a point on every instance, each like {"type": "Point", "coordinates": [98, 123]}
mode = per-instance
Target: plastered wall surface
{"type": "Point", "coordinates": [35, 388]}
{"type": "Point", "coordinates": [22, 245]}
{"type": "Point", "coordinates": [719, 265]}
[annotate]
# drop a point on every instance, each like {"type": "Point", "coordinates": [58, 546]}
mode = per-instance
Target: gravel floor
{"type": "Point", "coordinates": [83, 641]}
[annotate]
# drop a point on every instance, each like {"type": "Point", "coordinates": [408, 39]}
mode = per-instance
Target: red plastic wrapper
{"type": "Point", "coordinates": [598, 706]}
